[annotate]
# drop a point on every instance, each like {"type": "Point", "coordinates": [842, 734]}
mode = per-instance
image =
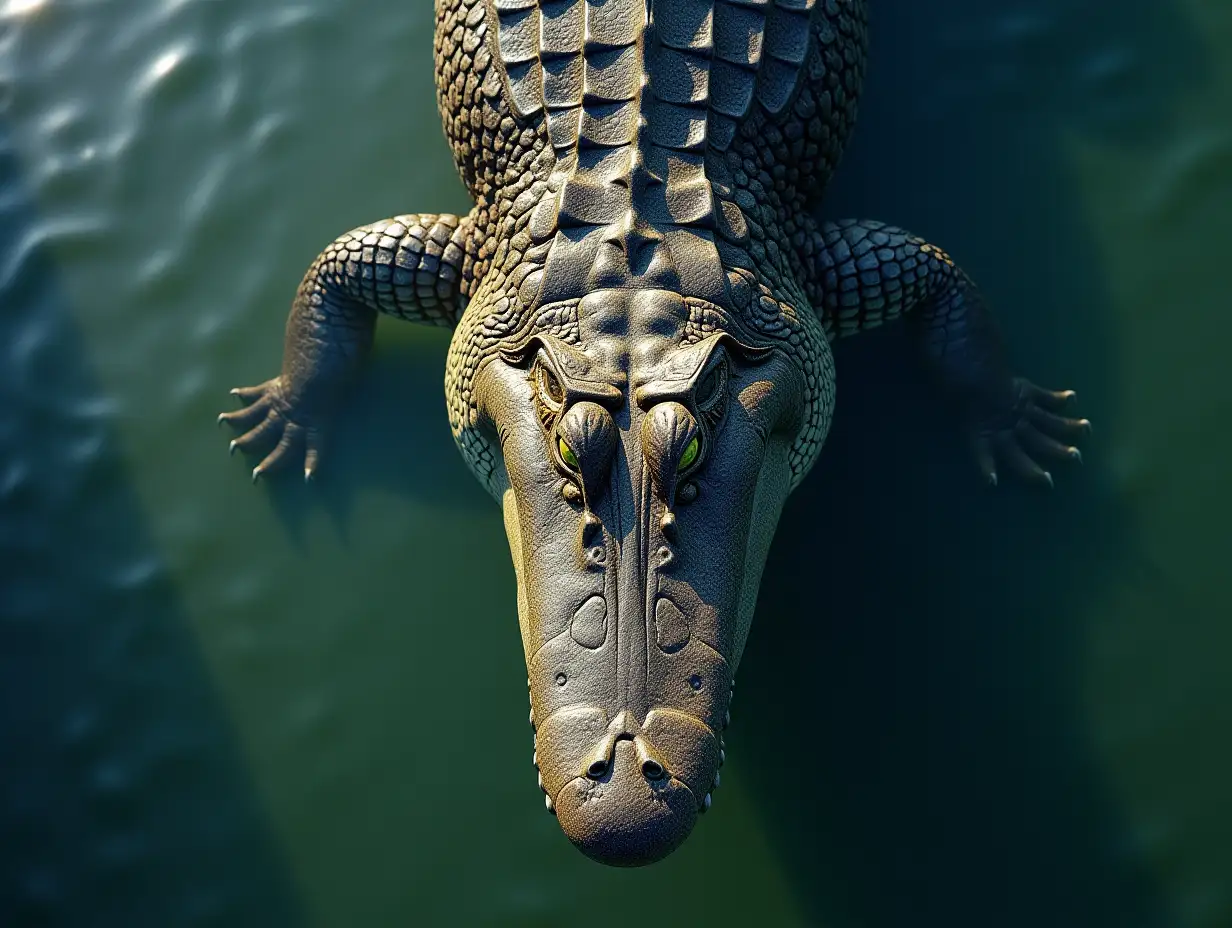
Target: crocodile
{"type": "Point", "coordinates": [643, 304]}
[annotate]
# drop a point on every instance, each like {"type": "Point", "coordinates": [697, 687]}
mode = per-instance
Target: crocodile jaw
{"type": "Point", "coordinates": [633, 622]}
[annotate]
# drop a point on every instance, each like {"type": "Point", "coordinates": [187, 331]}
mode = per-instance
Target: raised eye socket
{"type": "Point", "coordinates": [691, 451]}
{"type": "Point", "coordinates": [710, 388]}
{"type": "Point", "coordinates": [566, 453]}
{"type": "Point", "coordinates": [550, 389]}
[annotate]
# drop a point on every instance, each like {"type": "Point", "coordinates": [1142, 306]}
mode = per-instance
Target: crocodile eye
{"type": "Point", "coordinates": [710, 388]}
{"type": "Point", "coordinates": [566, 454]}
{"type": "Point", "coordinates": [550, 390]}
{"type": "Point", "coordinates": [549, 395]}
{"type": "Point", "coordinates": [690, 454]}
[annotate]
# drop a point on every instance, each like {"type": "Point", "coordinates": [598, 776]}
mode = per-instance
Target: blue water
{"type": "Point", "coordinates": [222, 705]}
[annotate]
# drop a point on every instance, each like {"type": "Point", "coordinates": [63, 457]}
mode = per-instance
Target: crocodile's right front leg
{"type": "Point", "coordinates": [869, 272]}
{"type": "Point", "coordinates": [412, 267]}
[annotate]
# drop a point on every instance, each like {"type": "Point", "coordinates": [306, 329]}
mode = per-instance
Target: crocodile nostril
{"type": "Point", "coordinates": [597, 769]}
{"type": "Point", "coordinates": [650, 766]}
{"type": "Point", "coordinates": [624, 818]}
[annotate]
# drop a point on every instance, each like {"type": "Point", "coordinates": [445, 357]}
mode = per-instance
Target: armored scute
{"type": "Point", "coordinates": [643, 306]}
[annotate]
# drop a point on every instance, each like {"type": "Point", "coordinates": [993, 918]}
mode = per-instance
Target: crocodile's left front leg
{"type": "Point", "coordinates": [867, 273]}
{"type": "Point", "coordinates": [412, 267]}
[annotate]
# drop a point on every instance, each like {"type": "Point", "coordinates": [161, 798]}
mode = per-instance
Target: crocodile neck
{"type": "Point", "coordinates": [634, 256]}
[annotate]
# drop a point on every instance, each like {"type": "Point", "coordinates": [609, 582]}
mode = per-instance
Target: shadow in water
{"type": "Point", "coordinates": [123, 800]}
{"type": "Point", "coordinates": [915, 674]}
{"type": "Point", "coordinates": [391, 436]}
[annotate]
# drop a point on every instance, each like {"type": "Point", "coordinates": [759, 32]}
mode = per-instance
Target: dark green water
{"type": "Point", "coordinates": [233, 706]}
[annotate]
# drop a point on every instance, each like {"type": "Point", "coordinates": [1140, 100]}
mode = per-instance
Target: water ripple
{"type": "Point", "coordinates": [181, 160]}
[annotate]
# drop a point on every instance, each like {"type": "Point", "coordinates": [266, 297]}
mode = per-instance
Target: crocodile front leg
{"type": "Point", "coordinates": [412, 267]}
{"type": "Point", "coordinates": [868, 273]}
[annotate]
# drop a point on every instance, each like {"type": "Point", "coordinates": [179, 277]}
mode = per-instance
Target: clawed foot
{"type": "Point", "coordinates": [1032, 435]}
{"type": "Point", "coordinates": [267, 422]}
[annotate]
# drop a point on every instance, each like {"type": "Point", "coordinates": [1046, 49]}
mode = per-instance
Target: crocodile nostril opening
{"type": "Point", "coordinates": [597, 769]}
{"type": "Point", "coordinates": [652, 770]}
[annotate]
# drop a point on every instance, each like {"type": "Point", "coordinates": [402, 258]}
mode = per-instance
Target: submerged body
{"type": "Point", "coordinates": [640, 373]}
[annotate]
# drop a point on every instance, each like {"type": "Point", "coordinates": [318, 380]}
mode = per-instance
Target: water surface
{"type": "Point", "coordinates": [233, 706]}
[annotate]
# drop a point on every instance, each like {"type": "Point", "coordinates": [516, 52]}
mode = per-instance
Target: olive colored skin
{"type": "Point", "coordinates": [640, 373]}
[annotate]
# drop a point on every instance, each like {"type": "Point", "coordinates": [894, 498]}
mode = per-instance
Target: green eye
{"type": "Point", "coordinates": [566, 454]}
{"type": "Point", "coordinates": [690, 453]}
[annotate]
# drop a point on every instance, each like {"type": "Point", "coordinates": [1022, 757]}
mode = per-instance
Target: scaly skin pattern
{"type": "Point", "coordinates": [643, 308]}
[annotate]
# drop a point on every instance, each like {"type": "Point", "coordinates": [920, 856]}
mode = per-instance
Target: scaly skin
{"type": "Point", "coordinates": [640, 370]}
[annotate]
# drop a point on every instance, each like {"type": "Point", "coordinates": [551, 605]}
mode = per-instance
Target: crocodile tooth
{"type": "Point", "coordinates": [722, 757]}
{"type": "Point", "coordinates": [541, 782]}
{"type": "Point", "coordinates": [706, 803]}
{"type": "Point", "coordinates": [717, 780]}
{"type": "Point", "coordinates": [548, 804]}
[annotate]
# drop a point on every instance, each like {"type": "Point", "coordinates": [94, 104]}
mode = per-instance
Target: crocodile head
{"type": "Point", "coordinates": [643, 475]}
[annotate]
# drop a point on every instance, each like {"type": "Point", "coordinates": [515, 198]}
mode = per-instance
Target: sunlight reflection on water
{"type": "Point", "coordinates": [354, 654]}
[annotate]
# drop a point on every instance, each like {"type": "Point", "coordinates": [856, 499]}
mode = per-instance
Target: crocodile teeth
{"type": "Point", "coordinates": [541, 782]}
{"type": "Point", "coordinates": [706, 803]}
{"type": "Point", "coordinates": [549, 805]}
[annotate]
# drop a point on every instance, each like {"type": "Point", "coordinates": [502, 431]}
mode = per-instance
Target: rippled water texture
{"type": "Point", "coordinates": [234, 706]}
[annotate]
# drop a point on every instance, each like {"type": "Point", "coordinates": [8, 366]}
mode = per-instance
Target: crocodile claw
{"type": "Point", "coordinates": [266, 427]}
{"type": "Point", "coordinates": [1037, 436]}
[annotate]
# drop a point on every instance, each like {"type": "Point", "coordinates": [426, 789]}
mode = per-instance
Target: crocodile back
{"type": "Point", "coordinates": [634, 93]}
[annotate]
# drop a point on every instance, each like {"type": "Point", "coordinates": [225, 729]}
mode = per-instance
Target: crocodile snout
{"type": "Point", "coordinates": [628, 811]}
{"type": "Point", "coordinates": [625, 793]}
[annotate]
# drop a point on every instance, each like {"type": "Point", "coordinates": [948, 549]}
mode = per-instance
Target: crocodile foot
{"type": "Point", "coordinates": [1030, 435]}
{"type": "Point", "coordinates": [268, 424]}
